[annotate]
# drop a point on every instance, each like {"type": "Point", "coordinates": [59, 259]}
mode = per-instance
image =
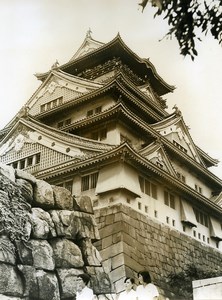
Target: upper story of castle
{"type": "Point", "coordinates": [106, 106]}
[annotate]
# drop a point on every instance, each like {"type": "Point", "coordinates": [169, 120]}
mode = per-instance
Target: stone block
{"type": "Point", "coordinates": [42, 255]}
{"type": "Point", "coordinates": [112, 251]}
{"type": "Point", "coordinates": [85, 204]}
{"type": "Point", "coordinates": [100, 281]}
{"type": "Point", "coordinates": [107, 241]}
{"type": "Point", "coordinates": [26, 189]}
{"type": "Point", "coordinates": [91, 255]}
{"type": "Point", "coordinates": [11, 283]}
{"type": "Point", "coordinates": [48, 287]}
{"type": "Point", "coordinates": [66, 254]}
{"type": "Point", "coordinates": [7, 171]}
{"type": "Point", "coordinates": [20, 174]}
{"type": "Point", "coordinates": [67, 281]}
{"type": "Point", "coordinates": [43, 195]}
{"type": "Point", "coordinates": [42, 224]}
{"type": "Point", "coordinates": [117, 261]}
{"type": "Point", "coordinates": [63, 198]}
{"type": "Point", "coordinates": [7, 251]}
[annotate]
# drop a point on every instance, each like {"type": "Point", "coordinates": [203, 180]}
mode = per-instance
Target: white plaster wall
{"type": "Point", "coordinates": [207, 289]}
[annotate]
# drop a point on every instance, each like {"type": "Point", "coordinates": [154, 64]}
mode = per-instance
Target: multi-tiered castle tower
{"type": "Point", "coordinates": [98, 126]}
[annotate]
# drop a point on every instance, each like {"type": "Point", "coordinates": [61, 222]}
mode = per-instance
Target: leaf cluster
{"type": "Point", "coordinates": [188, 17]}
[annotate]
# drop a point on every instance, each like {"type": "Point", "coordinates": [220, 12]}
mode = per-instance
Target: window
{"type": "Point", "coordinates": [167, 219]}
{"type": "Point", "coordinates": [22, 164]}
{"type": "Point", "coordinates": [37, 158]}
{"type": "Point", "coordinates": [139, 205]}
{"type": "Point", "coordinates": [94, 111]}
{"type": "Point", "coordinates": [67, 122]}
{"type": "Point", "coordinates": [64, 123]}
{"type": "Point", "coordinates": [173, 222]}
{"type": "Point", "coordinates": [26, 162]}
{"type": "Point", "coordinates": [169, 199]}
{"type": "Point", "coordinates": [89, 113]}
{"type": "Point", "coordinates": [99, 135]}
{"type": "Point", "coordinates": [198, 188]}
{"type": "Point", "coordinates": [15, 165]}
{"type": "Point", "coordinates": [159, 164]}
{"type": "Point", "coordinates": [89, 181]}
{"type": "Point", "coordinates": [98, 109]}
{"type": "Point", "coordinates": [29, 161]}
{"type": "Point", "coordinates": [146, 209]}
{"type": "Point", "coordinates": [148, 187]}
{"type": "Point", "coordinates": [181, 177]}
{"type": "Point", "coordinates": [52, 104]}
{"type": "Point", "coordinates": [180, 146]}
{"type": "Point", "coordinates": [48, 106]}
{"type": "Point", "coordinates": [67, 185]}
{"type": "Point", "coordinates": [155, 213]}
{"type": "Point", "coordinates": [201, 217]}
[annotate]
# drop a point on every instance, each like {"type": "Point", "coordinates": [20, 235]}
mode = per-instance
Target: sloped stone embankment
{"type": "Point", "coordinates": [45, 240]}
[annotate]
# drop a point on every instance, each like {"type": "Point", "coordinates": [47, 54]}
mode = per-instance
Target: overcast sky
{"type": "Point", "coordinates": [34, 33]}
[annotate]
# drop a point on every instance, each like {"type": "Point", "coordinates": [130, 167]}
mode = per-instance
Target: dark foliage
{"type": "Point", "coordinates": [187, 17]}
{"type": "Point", "coordinates": [181, 283]}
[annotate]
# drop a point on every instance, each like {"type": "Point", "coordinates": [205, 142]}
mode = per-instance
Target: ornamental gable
{"type": "Point", "coordinates": [176, 131]}
{"type": "Point", "coordinates": [55, 93]}
{"type": "Point", "coordinates": [157, 155]}
{"type": "Point", "coordinates": [29, 149]}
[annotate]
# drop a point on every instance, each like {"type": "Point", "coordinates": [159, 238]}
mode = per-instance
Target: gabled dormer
{"type": "Point", "coordinates": [157, 155]}
{"type": "Point", "coordinates": [34, 146]}
{"type": "Point", "coordinates": [88, 45]}
{"type": "Point", "coordinates": [174, 129]}
{"type": "Point", "coordinates": [58, 89]}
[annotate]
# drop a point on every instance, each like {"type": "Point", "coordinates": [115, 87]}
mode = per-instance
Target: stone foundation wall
{"type": "Point", "coordinates": [131, 242]}
{"type": "Point", "coordinates": [46, 240]}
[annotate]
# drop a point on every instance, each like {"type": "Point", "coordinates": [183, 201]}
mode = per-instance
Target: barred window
{"type": "Point", "coordinates": [201, 217]}
{"type": "Point", "coordinates": [148, 187]}
{"type": "Point", "coordinates": [169, 199]}
{"type": "Point", "coordinates": [89, 181]}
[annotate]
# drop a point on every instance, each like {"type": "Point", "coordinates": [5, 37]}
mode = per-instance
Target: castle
{"type": "Point", "coordinates": [98, 126]}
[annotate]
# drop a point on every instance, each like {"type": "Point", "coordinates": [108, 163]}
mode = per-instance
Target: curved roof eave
{"type": "Point", "coordinates": [114, 44]}
{"type": "Point", "coordinates": [103, 89]}
{"type": "Point", "coordinates": [134, 157]}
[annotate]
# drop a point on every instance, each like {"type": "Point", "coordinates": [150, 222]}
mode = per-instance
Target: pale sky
{"type": "Point", "coordinates": [34, 33]}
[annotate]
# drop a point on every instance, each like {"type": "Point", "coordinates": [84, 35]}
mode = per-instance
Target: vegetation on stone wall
{"type": "Point", "coordinates": [13, 212]}
{"type": "Point", "coordinates": [181, 283]}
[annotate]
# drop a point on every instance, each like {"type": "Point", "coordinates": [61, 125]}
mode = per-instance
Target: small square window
{"type": "Point", "coordinates": [89, 113]}
{"type": "Point", "coordinates": [155, 213]}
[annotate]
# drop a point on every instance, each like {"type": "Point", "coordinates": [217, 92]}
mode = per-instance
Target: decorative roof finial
{"type": "Point", "coordinates": [55, 65]}
{"type": "Point", "coordinates": [177, 111]}
{"type": "Point", "coordinates": [88, 33]}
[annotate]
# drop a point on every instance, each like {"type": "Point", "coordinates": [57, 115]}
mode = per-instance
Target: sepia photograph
{"type": "Point", "coordinates": [110, 151]}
